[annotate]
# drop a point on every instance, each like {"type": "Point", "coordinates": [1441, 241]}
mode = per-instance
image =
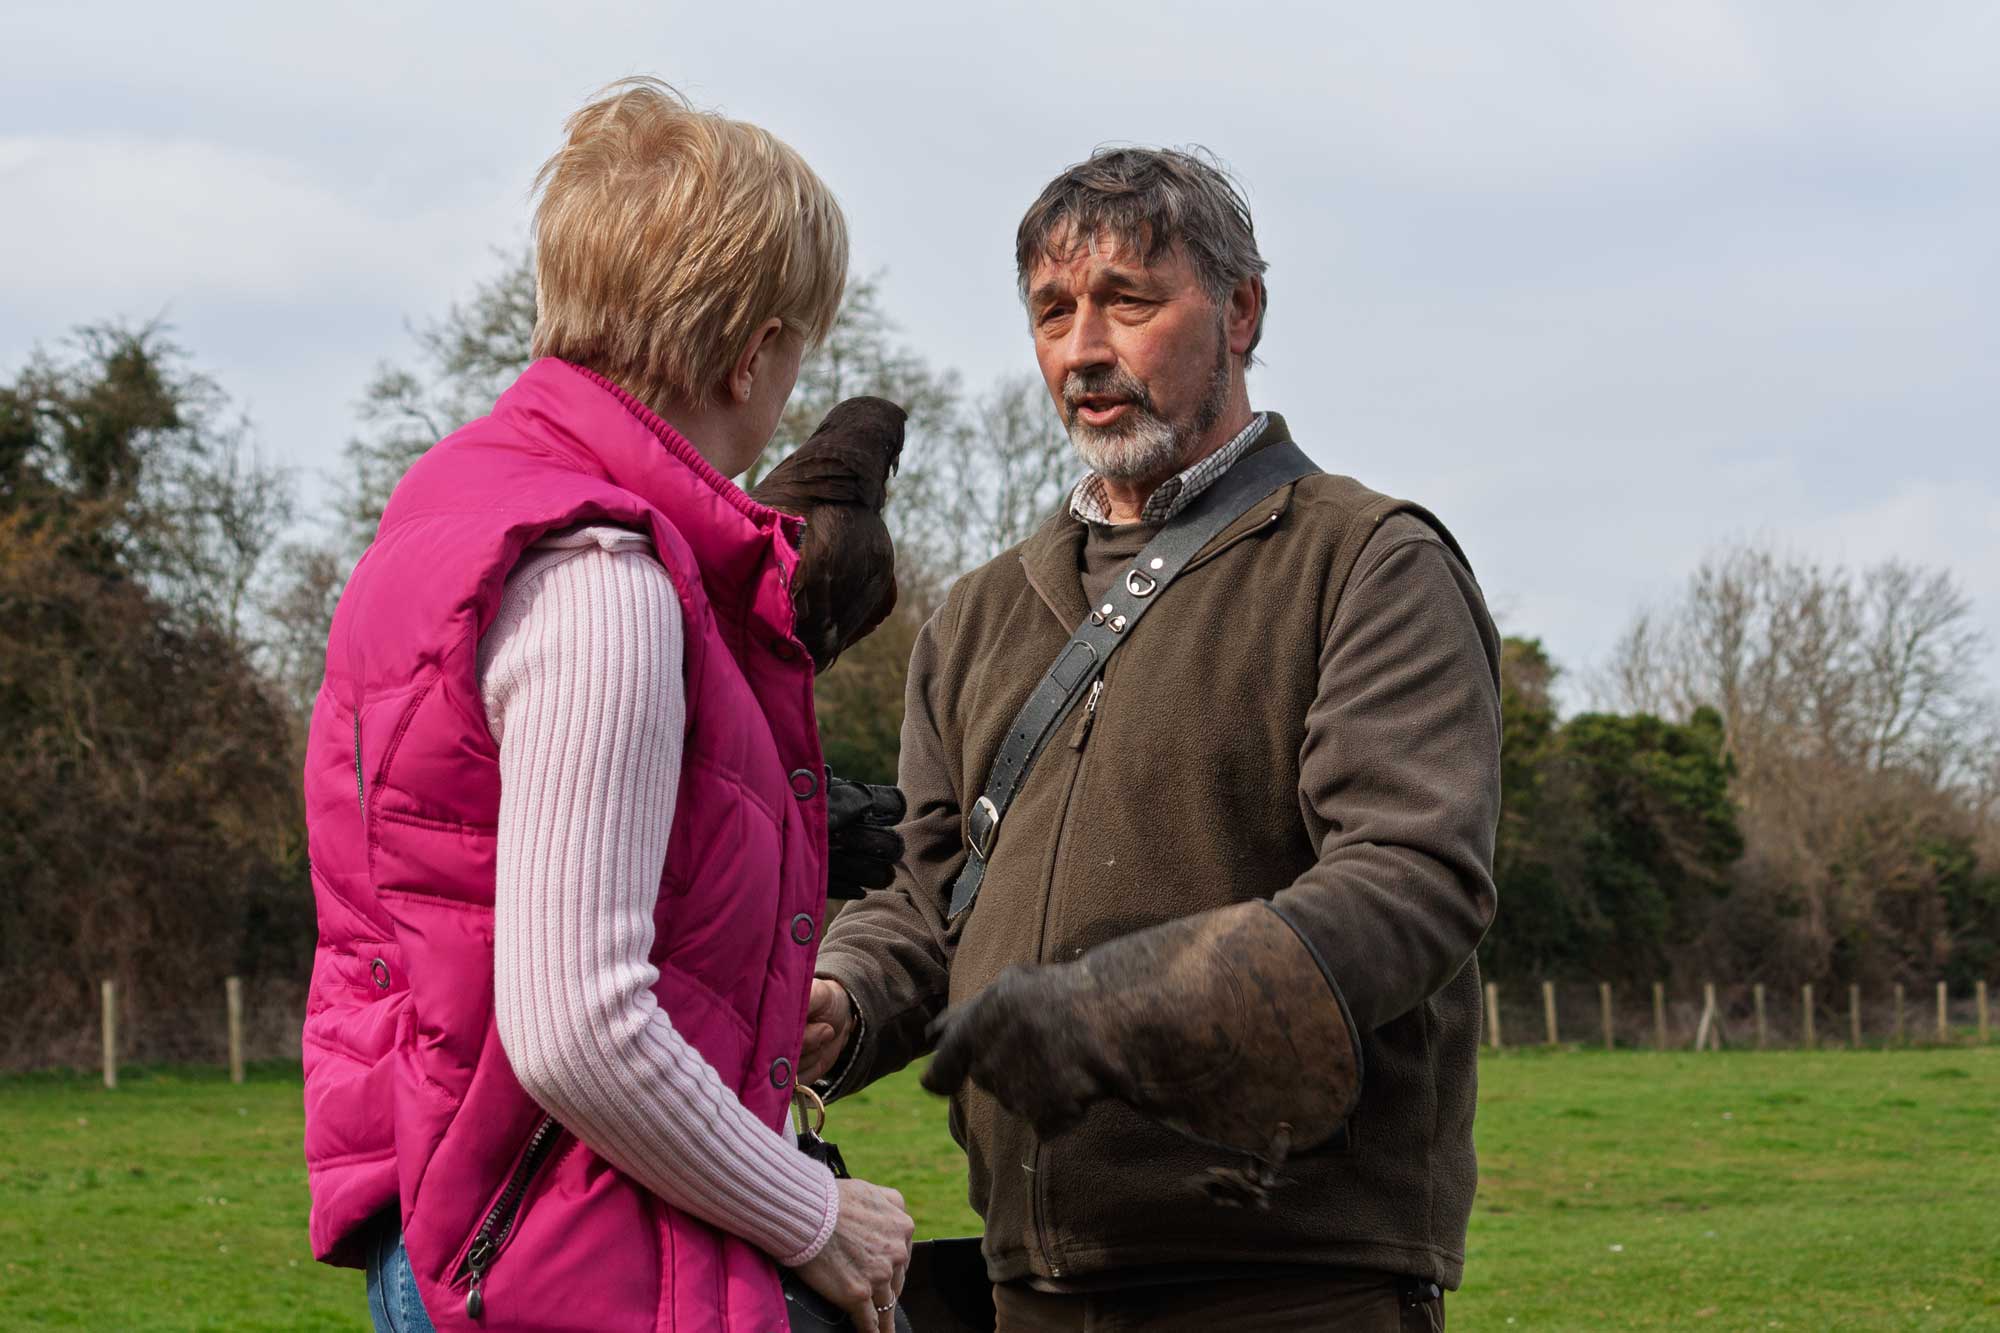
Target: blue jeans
{"type": "Point", "coordinates": [392, 1287]}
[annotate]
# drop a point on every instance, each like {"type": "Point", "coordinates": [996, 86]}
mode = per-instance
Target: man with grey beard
{"type": "Point", "coordinates": [1209, 1026]}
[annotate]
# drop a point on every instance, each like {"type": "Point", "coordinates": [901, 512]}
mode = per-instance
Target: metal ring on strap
{"type": "Point", "coordinates": [807, 1102]}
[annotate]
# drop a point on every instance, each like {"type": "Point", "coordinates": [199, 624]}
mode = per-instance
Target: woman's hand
{"type": "Point", "coordinates": [862, 1266]}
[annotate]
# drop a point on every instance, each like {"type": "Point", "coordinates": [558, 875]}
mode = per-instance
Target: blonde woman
{"type": "Point", "coordinates": [567, 817]}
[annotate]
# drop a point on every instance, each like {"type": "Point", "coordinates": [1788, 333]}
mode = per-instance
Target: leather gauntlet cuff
{"type": "Point", "coordinates": [1226, 1027]}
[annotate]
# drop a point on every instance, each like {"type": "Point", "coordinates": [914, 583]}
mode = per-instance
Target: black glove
{"type": "Point", "coordinates": [862, 845]}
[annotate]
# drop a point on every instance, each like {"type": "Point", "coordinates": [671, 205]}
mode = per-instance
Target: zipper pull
{"type": "Point", "coordinates": [476, 1262]}
{"type": "Point", "coordinates": [1089, 715]}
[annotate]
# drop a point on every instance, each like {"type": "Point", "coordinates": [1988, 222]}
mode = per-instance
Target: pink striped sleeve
{"type": "Point", "coordinates": [581, 676]}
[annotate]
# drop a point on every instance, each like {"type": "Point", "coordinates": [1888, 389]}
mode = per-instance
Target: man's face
{"type": "Point", "coordinates": [1134, 355]}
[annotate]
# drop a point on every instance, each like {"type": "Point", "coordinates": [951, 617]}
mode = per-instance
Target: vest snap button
{"type": "Point", "coordinates": [805, 783]}
{"type": "Point", "coordinates": [380, 971]}
{"type": "Point", "coordinates": [785, 649]}
{"type": "Point", "coordinates": [781, 1073]}
{"type": "Point", "coordinates": [802, 928]}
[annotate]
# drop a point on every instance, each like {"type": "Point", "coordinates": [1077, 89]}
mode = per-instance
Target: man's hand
{"type": "Point", "coordinates": [862, 844]}
{"type": "Point", "coordinates": [829, 1024]}
{"type": "Point", "coordinates": [1219, 1025]}
{"type": "Point", "coordinates": [1026, 1040]}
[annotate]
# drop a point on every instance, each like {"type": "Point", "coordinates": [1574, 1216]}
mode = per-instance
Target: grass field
{"type": "Point", "coordinates": [1627, 1191]}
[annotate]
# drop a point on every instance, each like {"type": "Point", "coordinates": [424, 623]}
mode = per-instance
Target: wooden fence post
{"type": "Point", "coordinates": [232, 988]}
{"type": "Point", "coordinates": [1549, 1009]}
{"type": "Point", "coordinates": [1979, 992]}
{"type": "Point", "coordinates": [1944, 1019]}
{"type": "Point", "coordinates": [1806, 1003]}
{"type": "Point", "coordinates": [1854, 1016]}
{"type": "Point", "coordinates": [1660, 1015]}
{"type": "Point", "coordinates": [1708, 1032]}
{"type": "Point", "coordinates": [1604, 1008]}
{"type": "Point", "coordinates": [108, 993]}
{"type": "Point", "coordinates": [1763, 1029]}
{"type": "Point", "coordinates": [1493, 1014]}
{"type": "Point", "coordinates": [1899, 1013]}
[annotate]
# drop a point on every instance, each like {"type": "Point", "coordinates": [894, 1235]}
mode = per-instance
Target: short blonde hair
{"type": "Point", "coordinates": [665, 236]}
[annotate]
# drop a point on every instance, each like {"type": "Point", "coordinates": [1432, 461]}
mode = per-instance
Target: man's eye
{"type": "Point", "coordinates": [1053, 313]}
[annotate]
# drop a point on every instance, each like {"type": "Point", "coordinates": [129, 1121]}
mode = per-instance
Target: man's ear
{"type": "Point", "coordinates": [1245, 308]}
{"type": "Point", "coordinates": [754, 359]}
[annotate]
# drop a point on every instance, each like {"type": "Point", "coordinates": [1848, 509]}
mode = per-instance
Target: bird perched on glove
{"type": "Point", "coordinates": [838, 481]}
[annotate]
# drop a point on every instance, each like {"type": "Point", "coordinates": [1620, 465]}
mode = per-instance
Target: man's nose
{"type": "Point", "coordinates": [1088, 346]}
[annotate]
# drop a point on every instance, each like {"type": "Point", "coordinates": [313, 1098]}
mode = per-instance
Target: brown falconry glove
{"type": "Point", "coordinates": [1221, 1026]}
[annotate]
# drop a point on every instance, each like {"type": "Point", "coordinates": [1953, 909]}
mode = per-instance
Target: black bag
{"type": "Point", "coordinates": [946, 1289]}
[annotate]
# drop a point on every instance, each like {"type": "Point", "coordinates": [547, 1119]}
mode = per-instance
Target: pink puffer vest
{"type": "Point", "coordinates": [410, 1101]}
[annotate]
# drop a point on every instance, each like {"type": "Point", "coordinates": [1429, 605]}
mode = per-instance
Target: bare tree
{"type": "Point", "coordinates": [1917, 690]}
{"type": "Point", "coordinates": [219, 519]}
{"type": "Point", "coordinates": [299, 613]}
{"type": "Point", "coordinates": [1875, 668]}
{"type": "Point", "coordinates": [1862, 745]}
{"type": "Point", "coordinates": [464, 360]}
{"type": "Point", "coordinates": [1009, 472]}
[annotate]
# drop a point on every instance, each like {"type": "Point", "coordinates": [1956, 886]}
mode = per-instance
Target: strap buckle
{"type": "Point", "coordinates": [982, 827]}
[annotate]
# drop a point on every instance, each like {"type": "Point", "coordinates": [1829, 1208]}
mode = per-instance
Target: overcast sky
{"type": "Point", "coordinates": [1603, 284]}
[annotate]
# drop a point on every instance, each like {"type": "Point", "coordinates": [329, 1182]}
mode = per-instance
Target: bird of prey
{"type": "Point", "coordinates": [838, 481]}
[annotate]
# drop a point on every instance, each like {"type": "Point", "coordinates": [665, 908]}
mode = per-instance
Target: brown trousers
{"type": "Point", "coordinates": [1314, 1304]}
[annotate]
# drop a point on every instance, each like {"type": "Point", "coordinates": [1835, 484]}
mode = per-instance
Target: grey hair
{"type": "Point", "coordinates": [1146, 200]}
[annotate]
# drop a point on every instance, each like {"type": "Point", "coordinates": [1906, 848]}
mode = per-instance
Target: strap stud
{"type": "Point", "coordinates": [1156, 563]}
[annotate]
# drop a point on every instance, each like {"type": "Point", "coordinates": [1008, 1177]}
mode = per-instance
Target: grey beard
{"type": "Point", "coordinates": [1143, 446]}
{"type": "Point", "coordinates": [1146, 445]}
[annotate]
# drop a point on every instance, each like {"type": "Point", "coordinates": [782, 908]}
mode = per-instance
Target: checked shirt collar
{"type": "Point", "coordinates": [1087, 502]}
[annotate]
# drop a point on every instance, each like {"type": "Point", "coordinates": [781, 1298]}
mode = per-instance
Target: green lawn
{"type": "Point", "coordinates": [1730, 1191]}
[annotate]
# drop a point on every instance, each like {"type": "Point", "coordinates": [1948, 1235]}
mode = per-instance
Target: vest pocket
{"type": "Point", "coordinates": [498, 1224]}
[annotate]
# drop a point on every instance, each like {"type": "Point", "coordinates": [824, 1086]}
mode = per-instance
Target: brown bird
{"type": "Point", "coordinates": [838, 481]}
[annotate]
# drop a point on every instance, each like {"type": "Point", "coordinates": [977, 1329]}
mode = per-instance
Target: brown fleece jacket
{"type": "Point", "coordinates": [1273, 731]}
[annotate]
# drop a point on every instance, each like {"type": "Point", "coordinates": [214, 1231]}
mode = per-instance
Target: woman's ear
{"type": "Point", "coordinates": [755, 359]}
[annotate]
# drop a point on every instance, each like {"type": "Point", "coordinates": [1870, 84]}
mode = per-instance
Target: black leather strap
{"type": "Point", "coordinates": [1082, 660]}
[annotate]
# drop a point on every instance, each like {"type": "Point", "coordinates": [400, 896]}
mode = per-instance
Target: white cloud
{"type": "Point", "coordinates": [176, 219]}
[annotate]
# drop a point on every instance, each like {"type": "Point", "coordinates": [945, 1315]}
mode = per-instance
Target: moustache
{"type": "Point", "coordinates": [1112, 382]}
